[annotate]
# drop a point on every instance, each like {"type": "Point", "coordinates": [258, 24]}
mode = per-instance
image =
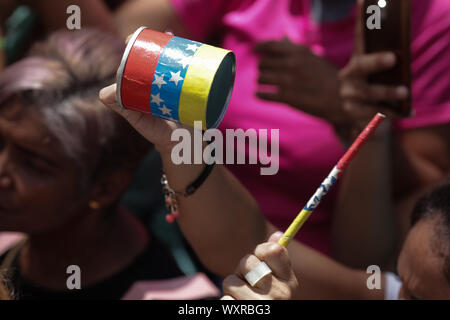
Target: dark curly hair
{"type": "Point", "coordinates": [436, 204]}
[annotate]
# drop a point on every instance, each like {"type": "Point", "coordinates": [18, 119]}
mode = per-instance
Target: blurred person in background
{"type": "Point", "coordinates": [23, 22]}
{"type": "Point", "coordinates": [65, 161]}
{"type": "Point", "coordinates": [302, 50]}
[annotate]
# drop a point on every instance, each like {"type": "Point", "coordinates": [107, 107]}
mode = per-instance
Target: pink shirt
{"type": "Point", "coordinates": [308, 146]}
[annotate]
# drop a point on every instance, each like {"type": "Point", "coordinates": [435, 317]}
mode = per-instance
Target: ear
{"type": "Point", "coordinates": [110, 187]}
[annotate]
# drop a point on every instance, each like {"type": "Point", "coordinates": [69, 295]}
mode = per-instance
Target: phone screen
{"type": "Point", "coordinates": [394, 35]}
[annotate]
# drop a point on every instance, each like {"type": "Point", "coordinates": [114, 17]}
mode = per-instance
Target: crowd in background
{"type": "Point", "coordinates": [80, 186]}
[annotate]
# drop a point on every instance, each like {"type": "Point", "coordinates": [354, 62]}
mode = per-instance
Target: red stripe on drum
{"type": "Point", "coordinates": [140, 67]}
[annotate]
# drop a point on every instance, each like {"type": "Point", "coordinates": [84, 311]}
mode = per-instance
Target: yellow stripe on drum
{"type": "Point", "coordinates": [197, 84]}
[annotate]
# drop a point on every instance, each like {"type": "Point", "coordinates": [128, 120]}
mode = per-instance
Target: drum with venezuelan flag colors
{"type": "Point", "coordinates": [175, 78]}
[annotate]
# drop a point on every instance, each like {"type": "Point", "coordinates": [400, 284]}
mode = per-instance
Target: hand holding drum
{"type": "Point", "coordinates": [150, 90]}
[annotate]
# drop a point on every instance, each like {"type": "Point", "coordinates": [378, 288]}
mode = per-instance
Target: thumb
{"type": "Point", "coordinates": [276, 236]}
{"type": "Point", "coordinates": [108, 97]}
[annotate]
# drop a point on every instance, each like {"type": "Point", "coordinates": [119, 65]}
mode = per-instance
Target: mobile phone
{"type": "Point", "coordinates": [394, 35]}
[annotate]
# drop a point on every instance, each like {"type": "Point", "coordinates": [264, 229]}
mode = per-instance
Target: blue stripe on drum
{"type": "Point", "coordinates": [169, 77]}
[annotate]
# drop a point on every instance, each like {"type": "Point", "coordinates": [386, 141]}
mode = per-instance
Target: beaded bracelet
{"type": "Point", "coordinates": [170, 195]}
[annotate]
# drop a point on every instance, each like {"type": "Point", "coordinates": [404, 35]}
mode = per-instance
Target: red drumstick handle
{"type": "Point", "coordinates": [360, 141]}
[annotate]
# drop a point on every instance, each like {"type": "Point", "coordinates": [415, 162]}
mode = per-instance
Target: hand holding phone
{"type": "Point", "coordinates": [370, 82]}
{"type": "Point", "coordinates": [390, 34]}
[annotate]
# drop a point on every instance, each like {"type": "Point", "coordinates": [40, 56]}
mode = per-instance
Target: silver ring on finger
{"type": "Point", "coordinates": [257, 273]}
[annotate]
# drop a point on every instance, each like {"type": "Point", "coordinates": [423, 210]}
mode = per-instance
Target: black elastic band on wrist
{"type": "Point", "coordinates": [193, 186]}
{"type": "Point", "coordinates": [199, 181]}
{"type": "Point", "coordinates": [190, 190]}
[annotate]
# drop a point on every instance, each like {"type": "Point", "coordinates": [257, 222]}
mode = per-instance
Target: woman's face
{"type": "Point", "coordinates": [421, 264]}
{"type": "Point", "coordinates": [38, 182]}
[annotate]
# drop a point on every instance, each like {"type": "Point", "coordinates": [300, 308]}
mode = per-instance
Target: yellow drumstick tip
{"type": "Point", "coordinates": [294, 227]}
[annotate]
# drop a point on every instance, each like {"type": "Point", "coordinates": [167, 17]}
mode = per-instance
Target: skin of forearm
{"type": "Point", "coordinates": [155, 14]}
{"type": "Point", "coordinates": [94, 13]}
{"type": "Point", "coordinates": [321, 277]}
{"type": "Point", "coordinates": [221, 220]}
{"type": "Point", "coordinates": [364, 227]}
{"type": "Point", "coordinates": [421, 162]}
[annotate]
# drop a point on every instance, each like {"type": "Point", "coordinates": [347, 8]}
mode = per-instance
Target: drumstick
{"type": "Point", "coordinates": [328, 183]}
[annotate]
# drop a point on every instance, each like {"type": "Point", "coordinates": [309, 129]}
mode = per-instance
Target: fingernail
{"type": "Point", "coordinates": [402, 92]}
{"type": "Point", "coordinates": [103, 92]}
{"type": "Point", "coordinates": [276, 236]}
{"type": "Point", "coordinates": [106, 91]}
{"type": "Point", "coordinates": [389, 58]}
